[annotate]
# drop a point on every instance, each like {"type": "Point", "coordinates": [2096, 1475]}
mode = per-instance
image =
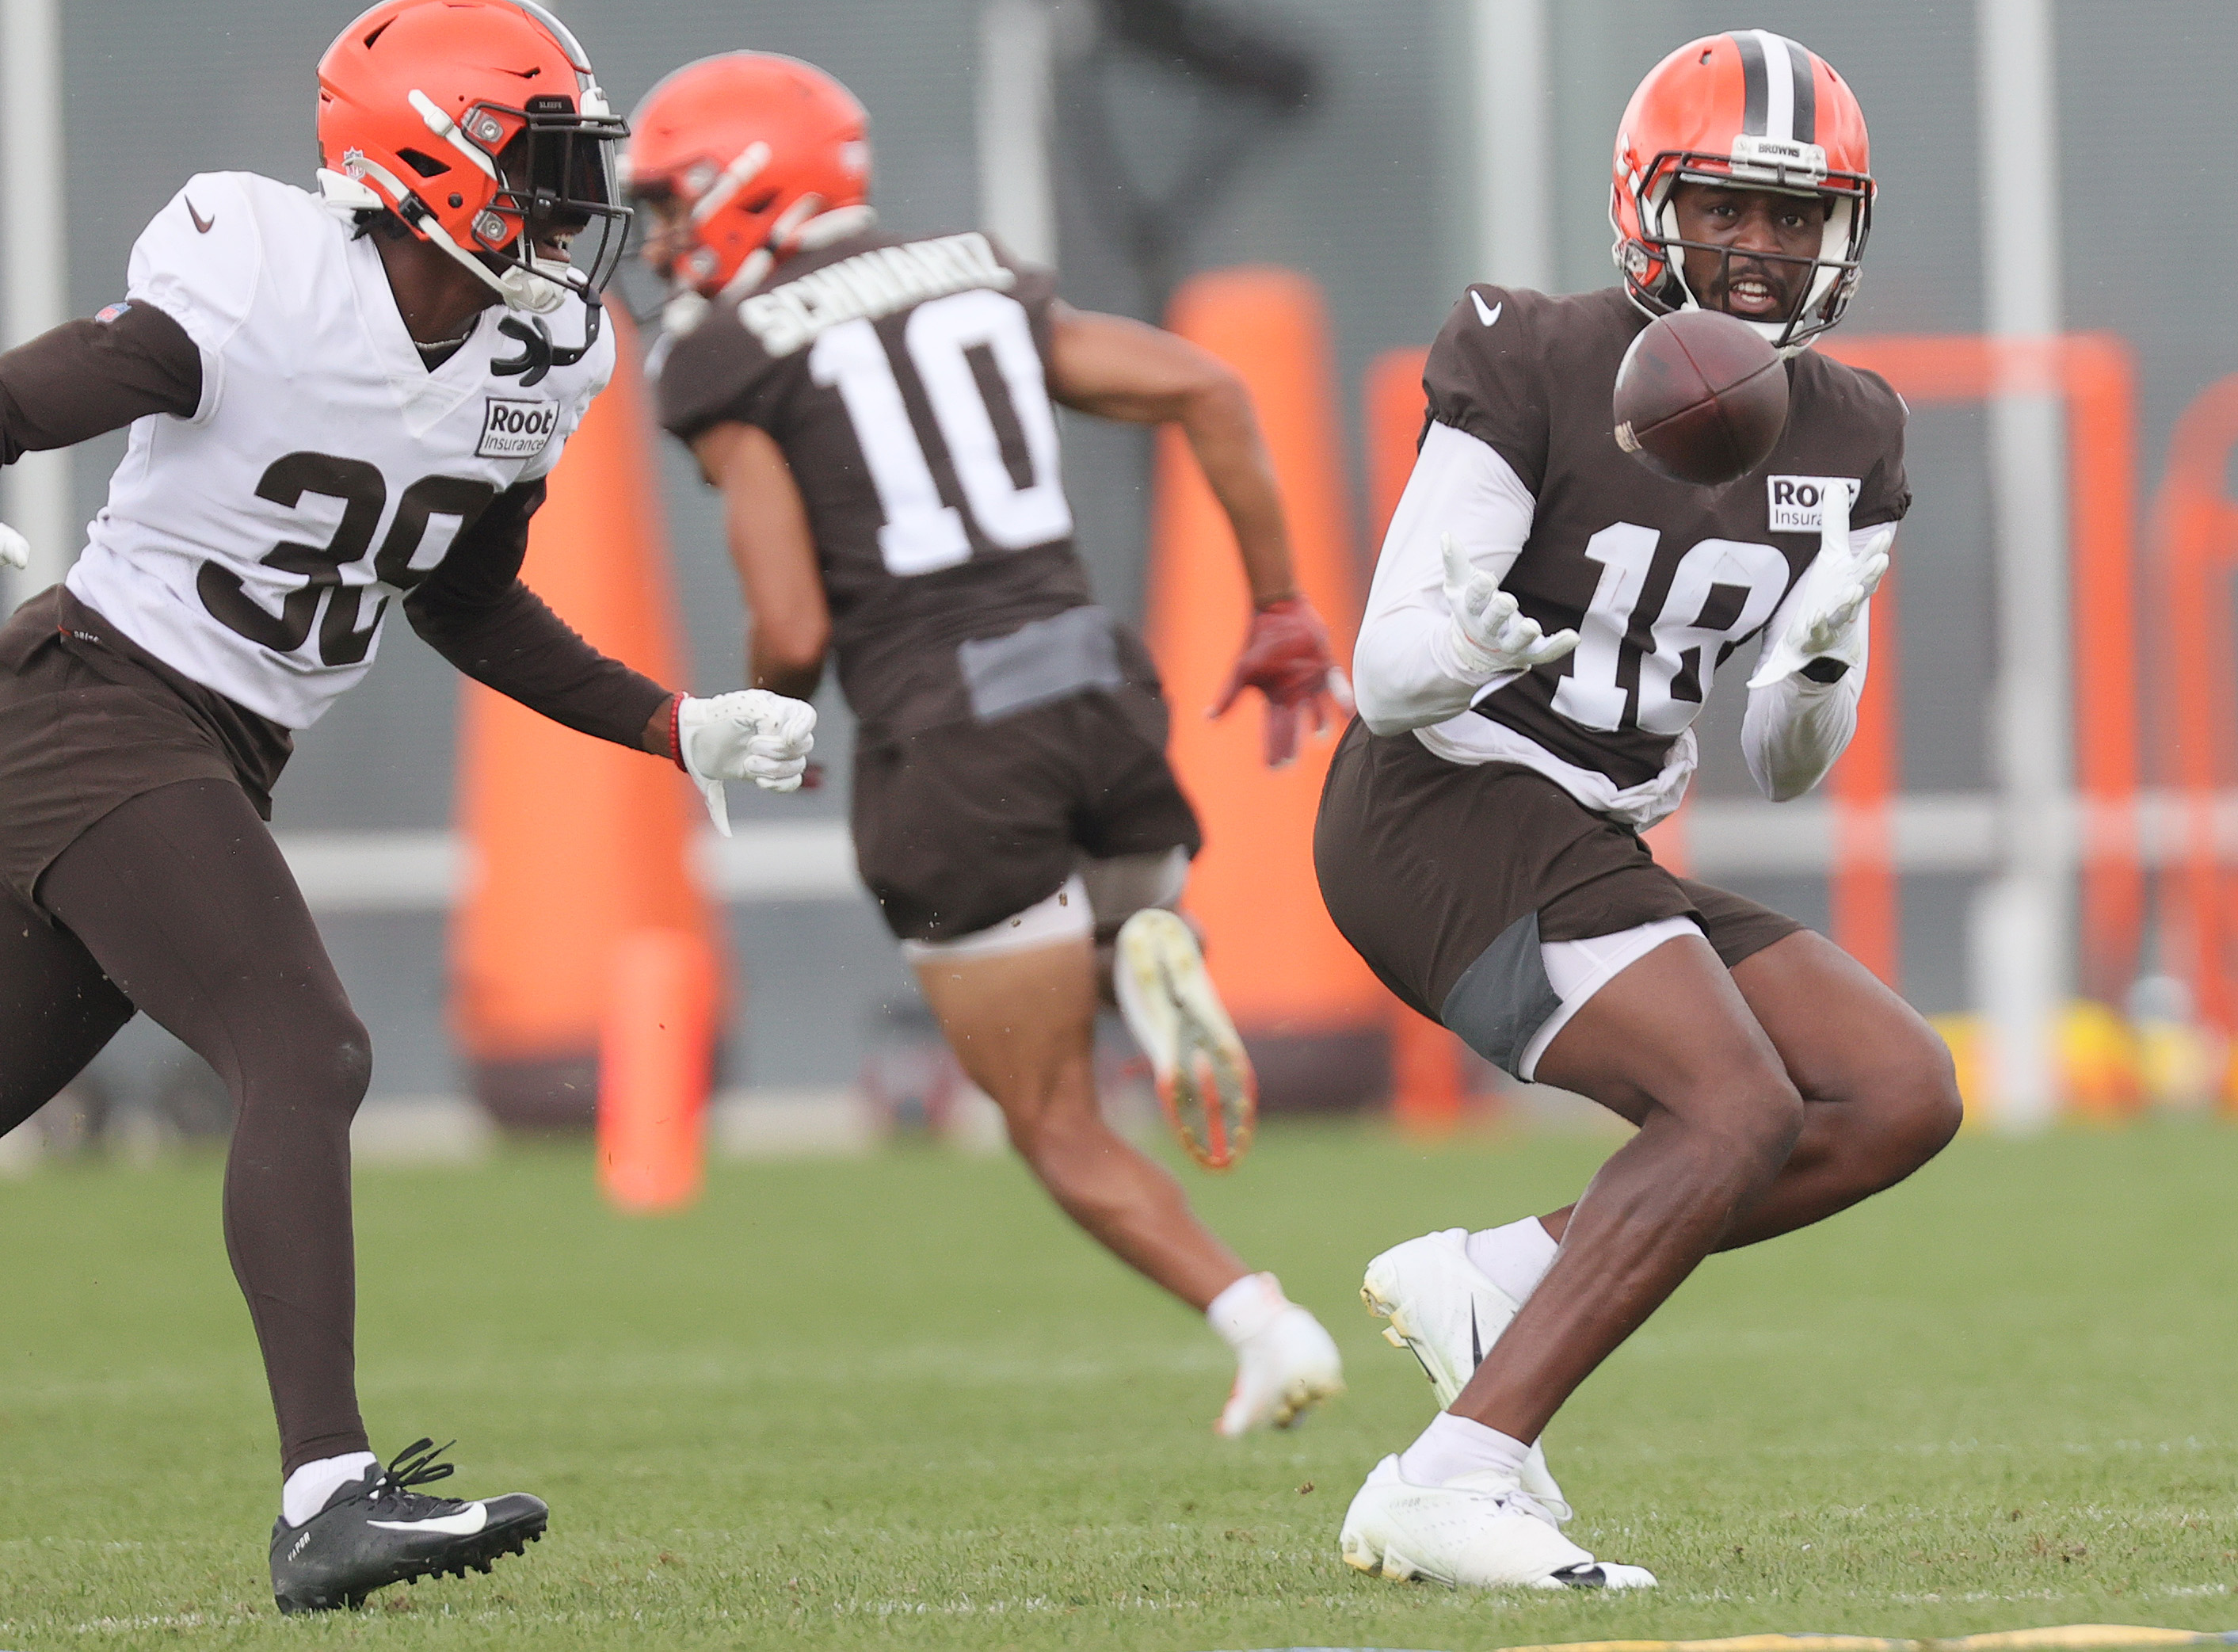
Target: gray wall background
{"type": "Point", "coordinates": [1370, 191]}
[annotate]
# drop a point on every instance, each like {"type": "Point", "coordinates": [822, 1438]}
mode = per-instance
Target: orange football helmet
{"type": "Point", "coordinates": [740, 154]}
{"type": "Point", "coordinates": [1748, 110]}
{"type": "Point", "coordinates": [480, 125]}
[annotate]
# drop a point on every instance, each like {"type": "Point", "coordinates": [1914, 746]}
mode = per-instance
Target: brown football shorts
{"type": "Point", "coordinates": [89, 721]}
{"type": "Point", "coordinates": [1446, 877]}
{"type": "Point", "coordinates": [960, 827]}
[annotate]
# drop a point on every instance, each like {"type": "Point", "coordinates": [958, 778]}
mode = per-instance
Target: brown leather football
{"type": "Point", "coordinates": [1701, 397]}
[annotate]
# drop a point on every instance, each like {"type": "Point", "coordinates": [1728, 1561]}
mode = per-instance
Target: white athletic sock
{"type": "Point", "coordinates": [1453, 1446]}
{"type": "Point", "coordinates": [1515, 1258]}
{"type": "Point", "coordinates": [309, 1487]}
{"type": "Point", "coordinates": [1246, 1307]}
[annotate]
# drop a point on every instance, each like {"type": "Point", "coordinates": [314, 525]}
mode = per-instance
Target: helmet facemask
{"type": "Point", "coordinates": [556, 191]}
{"type": "Point", "coordinates": [1653, 259]}
{"type": "Point", "coordinates": [550, 176]}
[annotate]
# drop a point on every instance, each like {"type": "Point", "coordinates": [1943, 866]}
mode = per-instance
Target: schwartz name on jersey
{"type": "Point", "coordinates": [1661, 581]}
{"type": "Point", "coordinates": [905, 380]}
{"type": "Point", "coordinates": [258, 546]}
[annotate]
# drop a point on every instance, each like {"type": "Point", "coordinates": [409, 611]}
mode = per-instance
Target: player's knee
{"type": "Point", "coordinates": [331, 1055]}
{"type": "Point", "coordinates": [1920, 1110]}
{"type": "Point", "coordinates": [1049, 1135]}
{"type": "Point", "coordinates": [1759, 1109]}
{"type": "Point", "coordinates": [353, 1070]}
{"type": "Point", "coordinates": [1066, 1146]}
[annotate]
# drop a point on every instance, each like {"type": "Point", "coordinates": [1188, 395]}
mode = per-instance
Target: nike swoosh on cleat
{"type": "Point", "coordinates": [465, 1523]}
{"type": "Point", "coordinates": [1487, 315]}
{"type": "Point", "coordinates": [1476, 1348]}
{"type": "Point", "coordinates": [205, 225]}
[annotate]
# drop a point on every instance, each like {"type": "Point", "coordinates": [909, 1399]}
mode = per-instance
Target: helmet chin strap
{"type": "Point", "coordinates": [539, 291]}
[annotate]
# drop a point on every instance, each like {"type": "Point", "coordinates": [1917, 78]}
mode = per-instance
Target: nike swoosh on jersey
{"type": "Point", "coordinates": [465, 1523]}
{"type": "Point", "coordinates": [1487, 316]}
{"type": "Point", "coordinates": [205, 225]}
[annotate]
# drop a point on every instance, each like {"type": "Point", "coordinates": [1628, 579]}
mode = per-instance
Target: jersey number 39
{"type": "Point", "coordinates": [922, 533]}
{"type": "Point", "coordinates": [342, 639]}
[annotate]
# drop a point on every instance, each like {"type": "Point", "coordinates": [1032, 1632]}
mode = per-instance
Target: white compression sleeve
{"type": "Point", "coordinates": [1795, 729]}
{"type": "Point", "coordinates": [1404, 672]}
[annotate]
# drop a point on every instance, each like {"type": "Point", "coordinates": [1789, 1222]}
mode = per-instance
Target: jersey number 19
{"type": "Point", "coordinates": [922, 533]}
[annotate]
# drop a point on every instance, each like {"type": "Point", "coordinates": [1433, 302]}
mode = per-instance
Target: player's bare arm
{"type": "Point", "coordinates": [1118, 368]}
{"type": "Point", "coordinates": [765, 526]}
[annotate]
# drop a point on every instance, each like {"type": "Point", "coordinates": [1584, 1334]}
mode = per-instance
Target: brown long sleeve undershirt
{"type": "Point", "coordinates": [474, 611]}
{"type": "Point", "coordinates": [87, 377]}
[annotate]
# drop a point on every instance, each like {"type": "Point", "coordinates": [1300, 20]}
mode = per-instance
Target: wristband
{"type": "Point", "coordinates": [676, 732]}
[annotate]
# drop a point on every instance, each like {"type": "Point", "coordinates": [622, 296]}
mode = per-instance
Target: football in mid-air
{"type": "Point", "coordinates": [1701, 397]}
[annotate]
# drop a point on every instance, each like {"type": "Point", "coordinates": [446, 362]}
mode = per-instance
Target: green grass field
{"type": "Point", "coordinates": [898, 1402]}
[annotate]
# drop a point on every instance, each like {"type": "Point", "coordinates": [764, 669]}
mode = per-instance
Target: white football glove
{"type": "Point", "coordinates": [15, 549]}
{"type": "Point", "coordinates": [1832, 599]}
{"type": "Point", "coordinates": [1490, 637]}
{"type": "Point", "coordinates": [752, 735]}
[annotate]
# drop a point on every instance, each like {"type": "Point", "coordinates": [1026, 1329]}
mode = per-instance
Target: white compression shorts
{"type": "Point", "coordinates": [1095, 900]}
{"type": "Point", "coordinates": [1577, 970]}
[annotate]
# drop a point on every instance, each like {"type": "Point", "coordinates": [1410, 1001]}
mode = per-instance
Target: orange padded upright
{"type": "Point", "coordinates": [655, 1068]}
{"type": "Point", "coordinates": [1287, 974]}
{"type": "Point", "coordinates": [574, 842]}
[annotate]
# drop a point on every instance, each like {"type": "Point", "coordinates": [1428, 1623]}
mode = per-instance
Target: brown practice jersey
{"type": "Point", "coordinates": [904, 378]}
{"type": "Point", "coordinates": [1662, 581]}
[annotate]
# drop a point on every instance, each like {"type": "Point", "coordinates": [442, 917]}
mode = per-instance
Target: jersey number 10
{"type": "Point", "coordinates": [922, 533]}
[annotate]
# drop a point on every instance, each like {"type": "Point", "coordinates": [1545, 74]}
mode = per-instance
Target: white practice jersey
{"type": "Point", "coordinates": [258, 547]}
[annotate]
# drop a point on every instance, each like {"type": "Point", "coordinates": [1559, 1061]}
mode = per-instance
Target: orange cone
{"type": "Point", "coordinates": [1312, 1013]}
{"type": "Point", "coordinates": [575, 842]}
{"type": "Point", "coordinates": [655, 1069]}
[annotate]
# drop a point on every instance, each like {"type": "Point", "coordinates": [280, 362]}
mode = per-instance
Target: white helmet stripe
{"type": "Point", "coordinates": [1779, 85]}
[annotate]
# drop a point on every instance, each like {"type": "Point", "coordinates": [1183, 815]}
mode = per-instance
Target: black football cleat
{"type": "Point", "coordinates": [379, 1530]}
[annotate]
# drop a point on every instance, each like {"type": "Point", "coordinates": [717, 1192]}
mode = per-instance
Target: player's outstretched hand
{"type": "Point", "coordinates": [15, 549]}
{"type": "Point", "coordinates": [1826, 630]}
{"type": "Point", "coordinates": [1491, 636]}
{"type": "Point", "coordinates": [1832, 598]}
{"type": "Point", "coordinates": [752, 735]}
{"type": "Point", "coordinates": [1286, 657]}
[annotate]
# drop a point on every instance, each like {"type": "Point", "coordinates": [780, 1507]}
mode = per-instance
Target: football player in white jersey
{"type": "Point", "coordinates": [340, 403]}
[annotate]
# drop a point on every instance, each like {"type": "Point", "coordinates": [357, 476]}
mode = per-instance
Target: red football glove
{"type": "Point", "coordinates": [1286, 657]}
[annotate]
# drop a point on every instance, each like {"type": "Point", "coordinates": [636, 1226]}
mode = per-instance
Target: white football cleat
{"type": "Point", "coordinates": [1448, 1314]}
{"type": "Point", "coordinates": [1476, 1532]}
{"type": "Point", "coordinates": [1281, 1372]}
{"type": "Point", "coordinates": [1204, 1077]}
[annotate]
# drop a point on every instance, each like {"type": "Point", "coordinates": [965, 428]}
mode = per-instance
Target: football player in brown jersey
{"type": "Point", "coordinates": [877, 411]}
{"type": "Point", "coordinates": [1545, 621]}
